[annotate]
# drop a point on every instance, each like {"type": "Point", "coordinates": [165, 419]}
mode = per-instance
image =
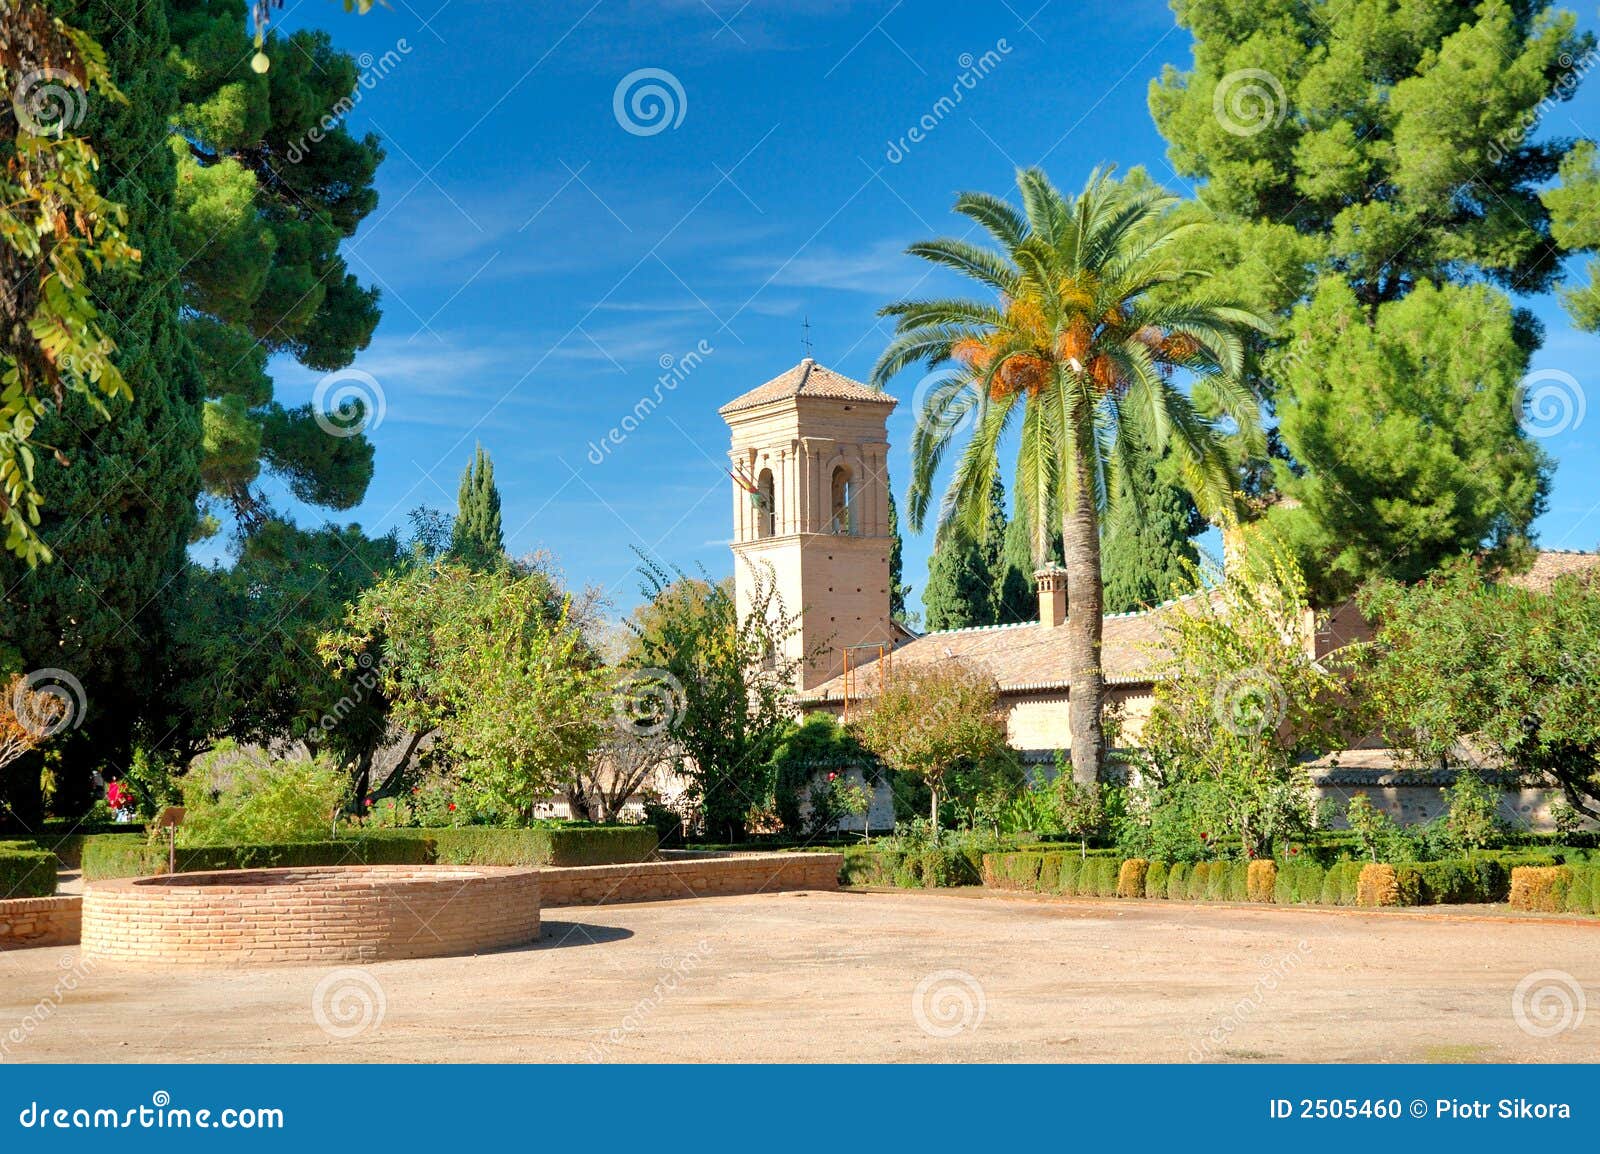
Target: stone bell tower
{"type": "Point", "coordinates": [811, 499]}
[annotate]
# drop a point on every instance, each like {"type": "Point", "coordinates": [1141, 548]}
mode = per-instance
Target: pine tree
{"type": "Point", "coordinates": [1148, 551]}
{"type": "Point", "coordinates": [267, 193]}
{"type": "Point", "coordinates": [476, 538]}
{"type": "Point", "coordinates": [120, 513]}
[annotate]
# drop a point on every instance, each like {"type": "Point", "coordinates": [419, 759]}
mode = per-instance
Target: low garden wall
{"type": "Point", "coordinates": [306, 915]}
{"type": "Point", "coordinates": [40, 922]}
{"type": "Point", "coordinates": [693, 875]}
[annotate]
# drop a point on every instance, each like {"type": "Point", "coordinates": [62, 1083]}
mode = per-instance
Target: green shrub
{"type": "Point", "coordinates": [107, 856]}
{"type": "Point", "coordinates": [1071, 867]}
{"type": "Point", "coordinates": [1299, 881]}
{"type": "Point", "coordinates": [1155, 882]}
{"type": "Point", "coordinates": [1236, 882]}
{"type": "Point", "coordinates": [1050, 873]}
{"type": "Point", "coordinates": [26, 871]}
{"type": "Point", "coordinates": [245, 796]}
{"type": "Point", "coordinates": [1106, 872]}
{"type": "Point", "coordinates": [1342, 881]}
{"type": "Point", "coordinates": [1178, 881]}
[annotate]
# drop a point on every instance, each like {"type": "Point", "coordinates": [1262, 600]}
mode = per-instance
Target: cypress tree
{"type": "Point", "coordinates": [897, 588]}
{"type": "Point", "coordinates": [1147, 552]}
{"type": "Point", "coordinates": [477, 539]}
{"type": "Point", "coordinates": [121, 511]}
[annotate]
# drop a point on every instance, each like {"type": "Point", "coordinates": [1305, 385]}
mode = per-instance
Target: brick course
{"type": "Point", "coordinates": [307, 915]}
{"type": "Point", "coordinates": [690, 876]}
{"type": "Point", "coordinates": [39, 922]}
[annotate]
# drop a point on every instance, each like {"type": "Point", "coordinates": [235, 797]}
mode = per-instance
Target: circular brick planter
{"type": "Point", "coordinates": [310, 914]}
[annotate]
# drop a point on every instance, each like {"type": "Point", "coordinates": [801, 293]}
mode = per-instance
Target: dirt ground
{"type": "Point", "coordinates": [865, 977]}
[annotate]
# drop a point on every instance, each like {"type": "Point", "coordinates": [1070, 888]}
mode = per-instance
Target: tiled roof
{"type": "Point", "coordinates": [807, 379]}
{"type": "Point", "coordinates": [1029, 658]}
{"type": "Point", "coordinates": [1549, 564]}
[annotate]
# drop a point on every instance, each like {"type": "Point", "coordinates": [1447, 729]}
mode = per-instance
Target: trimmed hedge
{"type": "Point", "coordinates": [114, 858]}
{"type": "Point", "coordinates": [1562, 889]}
{"type": "Point", "coordinates": [26, 871]}
{"type": "Point", "coordinates": [916, 869]}
{"type": "Point", "coordinates": [68, 846]}
{"type": "Point", "coordinates": [570, 845]}
{"type": "Point", "coordinates": [117, 856]}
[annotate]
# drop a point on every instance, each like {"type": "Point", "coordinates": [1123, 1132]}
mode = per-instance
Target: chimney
{"type": "Point", "coordinates": [1052, 583]}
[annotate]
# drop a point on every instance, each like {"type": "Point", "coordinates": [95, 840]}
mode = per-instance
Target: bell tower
{"type": "Point", "coordinates": [810, 470]}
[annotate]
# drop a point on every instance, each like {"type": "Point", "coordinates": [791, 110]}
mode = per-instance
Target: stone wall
{"type": "Point", "coordinates": [319, 914]}
{"type": "Point", "coordinates": [690, 875]}
{"type": "Point", "coordinates": [40, 921]}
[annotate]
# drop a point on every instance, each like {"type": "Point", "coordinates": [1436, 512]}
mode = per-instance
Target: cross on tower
{"type": "Point", "coordinates": [805, 334]}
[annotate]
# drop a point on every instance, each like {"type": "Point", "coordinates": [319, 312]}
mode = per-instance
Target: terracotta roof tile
{"type": "Point", "coordinates": [1030, 658]}
{"type": "Point", "coordinates": [1549, 564]}
{"type": "Point", "coordinates": [807, 379]}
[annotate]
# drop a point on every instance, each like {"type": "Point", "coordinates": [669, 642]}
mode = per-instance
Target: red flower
{"type": "Point", "coordinates": [1294, 849]}
{"type": "Point", "coordinates": [369, 801]}
{"type": "Point", "coordinates": [1205, 837]}
{"type": "Point", "coordinates": [831, 776]}
{"type": "Point", "coordinates": [452, 807]}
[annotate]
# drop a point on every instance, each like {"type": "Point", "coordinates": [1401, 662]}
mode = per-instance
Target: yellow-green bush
{"type": "Point", "coordinates": [1543, 889]}
{"type": "Point", "coordinates": [1131, 878]}
{"type": "Point", "coordinates": [1261, 881]}
{"type": "Point", "coordinates": [1155, 882]}
{"type": "Point", "coordinates": [1178, 881]}
{"type": "Point", "coordinates": [1378, 886]}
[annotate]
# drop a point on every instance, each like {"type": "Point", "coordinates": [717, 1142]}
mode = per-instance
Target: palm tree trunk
{"type": "Point", "coordinates": [1080, 533]}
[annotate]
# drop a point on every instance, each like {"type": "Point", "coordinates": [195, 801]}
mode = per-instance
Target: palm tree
{"type": "Point", "coordinates": [1092, 315]}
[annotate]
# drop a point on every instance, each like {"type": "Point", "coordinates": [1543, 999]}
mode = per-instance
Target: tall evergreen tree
{"type": "Point", "coordinates": [959, 593]}
{"type": "Point", "coordinates": [897, 588]}
{"type": "Point", "coordinates": [476, 537]}
{"type": "Point", "coordinates": [120, 512]}
{"type": "Point", "coordinates": [1148, 554]}
{"type": "Point", "coordinates": [266, 196]}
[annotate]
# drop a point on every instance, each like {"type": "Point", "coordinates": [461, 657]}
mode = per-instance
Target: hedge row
{"type": "Point", "coordinates": [557, 845]}
{"type": "Point", "coordinates": [68, 846]}
{"type": "Point", "coordinates": [1561, 889]}
{"type": "Point", "coordinates": [26, 871]}
{"type": "Point", "coordinates": [115, 856]}
{"type": "Point", "coordinates": [1485, 878]}
{"type": "Point", "coordinates": [913, 869]}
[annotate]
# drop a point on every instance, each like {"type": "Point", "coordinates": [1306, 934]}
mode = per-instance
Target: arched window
{"type": "Point", "coordinates": [765, 505]}
{"type": "Point", "coordinates": [843, 506]}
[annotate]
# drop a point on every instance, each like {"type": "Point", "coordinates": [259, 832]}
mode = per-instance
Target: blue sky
{"type": "Point", "coordinates": [539, 262]}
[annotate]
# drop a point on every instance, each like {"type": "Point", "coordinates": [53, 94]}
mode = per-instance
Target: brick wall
{"type": "Point", "coordinates": [690, 875]}
{"type": "Point", "coordinates": [268, 917]}
{"type": "Point", "coordinates": [40, 921]}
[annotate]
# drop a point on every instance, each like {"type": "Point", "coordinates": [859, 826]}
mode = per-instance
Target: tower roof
{"type": "Point", "coordinates": [807, 379]}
